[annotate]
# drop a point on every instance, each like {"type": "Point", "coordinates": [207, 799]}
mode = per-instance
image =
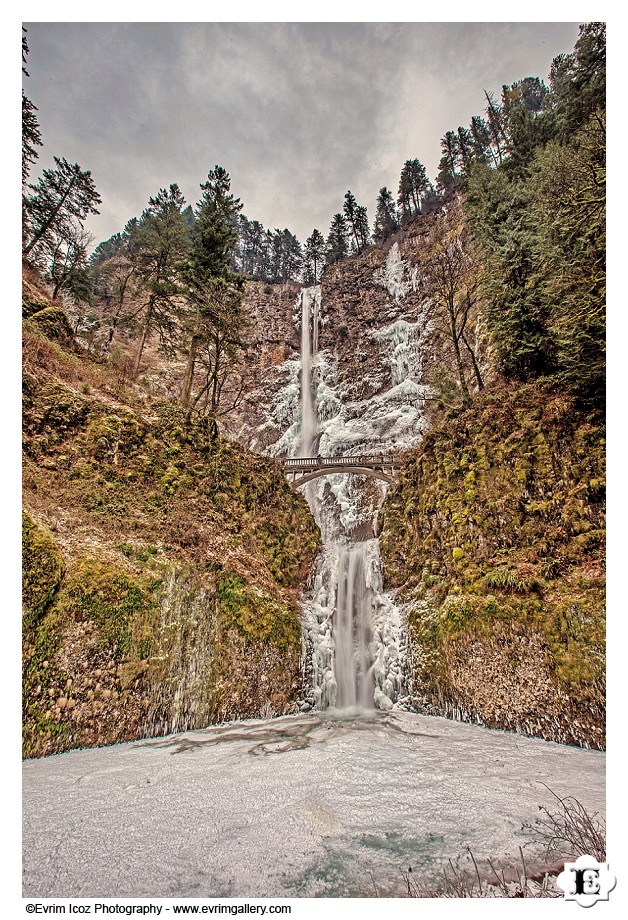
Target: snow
{"type": "Point", "coordinates": [315, 805]}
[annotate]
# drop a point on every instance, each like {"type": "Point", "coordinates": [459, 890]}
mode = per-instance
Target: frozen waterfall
{"type": "Point", "coordinates": [349, 620]}
{"type": "Point", "coordinates": [351, 631]}
{"type": "Point", "coordinates": [357, 648]}
{"type": "Point", "coordinates": [310, 302]}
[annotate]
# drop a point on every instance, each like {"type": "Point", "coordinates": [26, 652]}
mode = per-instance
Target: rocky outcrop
{"type": "Point", "coordinates": [494, 537]}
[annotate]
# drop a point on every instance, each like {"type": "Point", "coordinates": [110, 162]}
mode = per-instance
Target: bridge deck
{"type": "Point", "coordinates": [374, 461]}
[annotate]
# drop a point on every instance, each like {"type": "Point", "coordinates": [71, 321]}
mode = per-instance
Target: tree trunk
{"type": "Point", "coordinates": [145, 331]}
{"type": "Point", "coordinates": [476, 369]}
{"type": "Point", "coordinates": [50, 220]}
{"type": "Point", "coordinates": [455, 335]}
{"type": "Point", "coordinates": [189, 372]}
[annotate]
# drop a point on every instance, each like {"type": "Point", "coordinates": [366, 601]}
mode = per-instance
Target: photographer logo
{"type": "Point", "coordinates": [586, 881]}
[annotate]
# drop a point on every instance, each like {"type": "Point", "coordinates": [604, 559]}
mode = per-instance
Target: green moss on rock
{"type": "Point", "coordinates": [255, 615]}
{"type": "Point", "coordinates": [110, 597]}
{"type": "Point", "coordinates": [52, 322]}
{"type": "Point", "coordinates": [497, 524]}
{"type": "Point", "coordinates": [42, 570]}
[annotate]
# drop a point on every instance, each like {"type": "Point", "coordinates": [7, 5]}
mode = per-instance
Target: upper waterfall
{"type": "Point", "coordinates": [310, 305]}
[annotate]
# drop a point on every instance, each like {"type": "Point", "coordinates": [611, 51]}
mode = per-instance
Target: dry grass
{"type": "Point", "coordinates": [569, 830]}
{"type": "Point", "coordinates": [565, 831]}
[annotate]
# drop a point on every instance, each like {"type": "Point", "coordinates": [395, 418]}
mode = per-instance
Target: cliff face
{"type": "Point", "coordinates": [494, 537]}
{"type": "Point", "coordinates": [162, 567]}
{"type": "Point", "coordinates": [371, 316]}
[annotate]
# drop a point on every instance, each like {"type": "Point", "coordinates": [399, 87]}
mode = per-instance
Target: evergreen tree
{"type": "Point", "coordinates": [517, 309]}
{"type": "Point", "coordinates": [386, 222]}
{"type": "Point", "coordinates": [356, 223]}
{"type": "Point", "coordinates": [67, 260]}
{"type": "Point", "coordinates": [250, 247]}
{"type": "Point", "coordinates": [215, 231]}
{"type": "Point", "coordinates": [578, 80]}
{"type": "Point", "coordinates": [63, 197]}
{"type": "Point", "coordinates": [447, 174]}
{"type": "Point", "coordinates": [314, 258]}
{"type": "Point", "coordinates": [567, 200]}
{"type": "Point", "coordinates": [465, 149]}
{"type": "Point", "coordinates": [480, 140]}
{"type": "Point", "coordinates": [213, 321]}
{"type": "Point", "coordinates": [161, 243]}
{"type": "Point", "coordinates": [31, 136]}
{"type": "Point", "coordinates": [413, 185]}
{"type": "Point", "coordinates": [337, 245]}
{"type": "Point", "coordinates": [496, 128]}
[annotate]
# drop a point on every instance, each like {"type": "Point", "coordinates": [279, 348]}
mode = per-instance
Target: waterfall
{"type": "Point", "coordinates": [352, 631]}
{"type": "Point", "coordinates": [310, 302]}
{"type": "Point", "coordinates": [357, 648]}
{"type": "Point", "coordinates": [355, 635]}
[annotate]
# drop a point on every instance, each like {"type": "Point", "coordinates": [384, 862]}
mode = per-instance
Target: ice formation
{"type": "Point", "coordinates": [355, 635]}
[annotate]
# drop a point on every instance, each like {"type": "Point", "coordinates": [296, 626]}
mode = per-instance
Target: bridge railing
{"type": "Point", "coordinates": [319, 462]}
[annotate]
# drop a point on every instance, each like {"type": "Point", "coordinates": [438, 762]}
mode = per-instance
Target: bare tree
{"type": "Point", "coordinates": [215, 373]}
{"type": "Point", "coordinates": [451, 278]}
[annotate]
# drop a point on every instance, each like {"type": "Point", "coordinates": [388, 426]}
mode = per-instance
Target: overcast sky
{"type": "Point", "coordinates": [296, 112]}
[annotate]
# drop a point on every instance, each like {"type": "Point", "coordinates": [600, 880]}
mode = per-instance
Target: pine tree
{"type": "Point", "coordinates": [578, 80]}
{"type": "Point", "coordinates": [337, 245]}
{"type": "Point", "coordinates": [214, 321]}
{"type": "Point", "coordinates": [31, 136]}
{"type": "Point", "coordinates": [63, 197]}
{"type": "Point", "coordinates": [215, 232]}
{"type": "Point", "coordinates": [386, 222]}
{"type": "Point", "coordinates": [447, 174]}
{"type": "Point", "coordinates": [161, 243]}
{"type": "Point", "coordinates": [465, 149]}
{"type": "Point", "coordinates": [480, 140]}
{"type": "Point", "coordinates": [413, 184]}
{"type": "Point", "coordinates": [496, 128]}
{"type": "Point", "coordinates": [313, 258]}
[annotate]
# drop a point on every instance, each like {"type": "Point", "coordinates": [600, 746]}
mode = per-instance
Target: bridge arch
{"type": "Point", "coordinates": [300, 470]}
{"type": "Point", "coordinates": [328, 470]}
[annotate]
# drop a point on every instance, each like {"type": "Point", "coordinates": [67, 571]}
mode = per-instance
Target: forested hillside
{"type": "Point", "coordinates": [162, 564]}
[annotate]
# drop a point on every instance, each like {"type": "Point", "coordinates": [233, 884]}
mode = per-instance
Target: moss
{"type": "Point", "coordinates": [52, 321]}
{"type": "Point", "coordinates": [119, 604]}
{"type": "Point", "coordinates": [42, 731]}
{"type": "Point", "coordinates": [42, 570]}
{"type": "Point", "coordinates": [32, 300]}
{"type": "Point", "coordinates": [256, 616]}
{"type": "Point", "coordinates": [110, 436]}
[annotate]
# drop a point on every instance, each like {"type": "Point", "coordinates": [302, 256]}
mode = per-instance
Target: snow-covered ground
{"type": "Point", "coordinates": [315, 805]}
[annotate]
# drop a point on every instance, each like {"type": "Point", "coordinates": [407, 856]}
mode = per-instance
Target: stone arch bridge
{"type": "Point", "coordinates": [303, 469]}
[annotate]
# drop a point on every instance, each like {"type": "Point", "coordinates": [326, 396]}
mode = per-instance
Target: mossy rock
{"type": "Point", "coordinates": [32, 300]}
{"type": "Point", "coordinates": [42, 570]}
{"type": "Point", "coordinates": [52, 322]}
{"type": "Point", "coordinates": [119, 604]}
{"type": "Point", "coordinates": [256, 616]}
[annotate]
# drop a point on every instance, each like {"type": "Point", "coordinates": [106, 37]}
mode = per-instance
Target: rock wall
{"type": "Point", "coordinates": [162, 565]}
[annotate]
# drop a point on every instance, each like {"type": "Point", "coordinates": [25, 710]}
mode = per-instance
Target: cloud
{"type": "Point", "coordinates": [298, 113]}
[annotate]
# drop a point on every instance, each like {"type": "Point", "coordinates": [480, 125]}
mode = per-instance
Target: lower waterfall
{"type": "Point", "coordinates": [351, 630]}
